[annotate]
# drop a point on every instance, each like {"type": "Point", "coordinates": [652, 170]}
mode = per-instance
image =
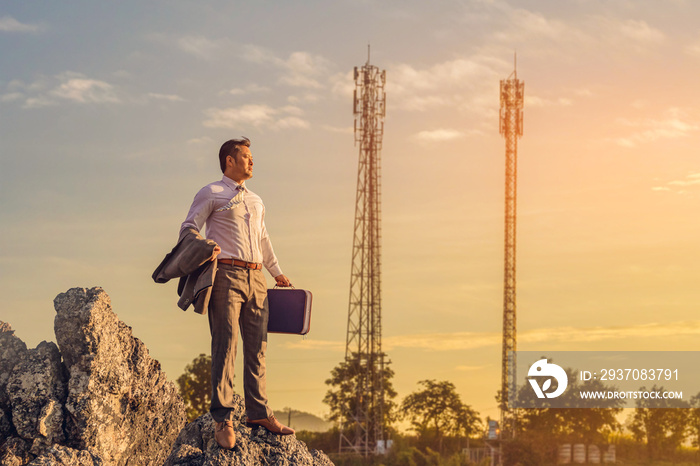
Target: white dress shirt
{"type": "Point", "coordinates": [235, 219]}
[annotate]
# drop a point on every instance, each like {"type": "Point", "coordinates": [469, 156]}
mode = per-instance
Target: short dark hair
{"type": "Point", "coordinates": [231, 147]}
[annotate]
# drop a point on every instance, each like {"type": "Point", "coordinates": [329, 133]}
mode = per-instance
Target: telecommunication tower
{"type": "Point", "coordinates": [364, 334]}
{"type": "Point", "coordinates": [511, 127]}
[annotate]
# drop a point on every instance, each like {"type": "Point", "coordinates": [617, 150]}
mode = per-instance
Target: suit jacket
{"type": "Point", "coordinates": [189, 261]}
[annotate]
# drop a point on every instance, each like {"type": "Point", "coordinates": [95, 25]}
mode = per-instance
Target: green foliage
{"type": "Point", "coordinates": [438, 410]}
{"type": "Point", "coordinates": [348, 380]}
{"type": "Point", "coordinates": [573, 422]}
{"type": "Point", "coordinates": [662, 428]}
{"type": "Point", "coordinates": [195, 386]}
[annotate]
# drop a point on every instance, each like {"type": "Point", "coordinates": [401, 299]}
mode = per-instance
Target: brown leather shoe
{"type": "Point", "coordinates": [224, 434]}
{"type": "Point", "coordinates": [271, 424]}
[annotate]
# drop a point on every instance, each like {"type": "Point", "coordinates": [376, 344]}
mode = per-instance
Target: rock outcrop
{"type": "Point", "coordinates": [98, 399]}
{"type": "Point", "coordinates": [101, 399]}
{"type": "Point", "coordinates": [195, 446]}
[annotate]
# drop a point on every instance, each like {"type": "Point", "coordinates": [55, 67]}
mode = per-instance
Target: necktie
{"type": "Point", "coordinates": [235, 200]}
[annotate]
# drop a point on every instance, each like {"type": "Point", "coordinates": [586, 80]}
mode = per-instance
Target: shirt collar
{"type": "Point", "coordinates": [232, 184]}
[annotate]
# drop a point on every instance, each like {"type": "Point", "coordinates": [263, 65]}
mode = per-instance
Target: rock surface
{"type": "Point", "coordinates": [195, 446]}
{"type": "Point", "coordinates": [99, 399]}
{"type": "Point", "coordinates": [120, 404]}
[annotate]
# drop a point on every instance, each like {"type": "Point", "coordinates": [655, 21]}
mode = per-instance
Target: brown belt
{"type": "Point", "coordinates": [244, 264]}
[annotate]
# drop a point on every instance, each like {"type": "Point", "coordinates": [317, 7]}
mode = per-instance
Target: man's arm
{"type": "Point", "coordinates": [202, 206]}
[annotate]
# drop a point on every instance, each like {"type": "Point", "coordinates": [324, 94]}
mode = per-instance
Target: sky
{"type": "Point", "coordinates": [112, 114]}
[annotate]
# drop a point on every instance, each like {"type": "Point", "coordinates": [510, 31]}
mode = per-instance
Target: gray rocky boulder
{"type": "Point", "coordinates": [12, 350]}
{"type": "Point", "coordinates": [120, 404]}
{"type": "Point", "coordinates": [37, 391]}
{"type": "Point", "coordinates": [196, 446]}
{"type": "Point", "coordinates": [96, 398]}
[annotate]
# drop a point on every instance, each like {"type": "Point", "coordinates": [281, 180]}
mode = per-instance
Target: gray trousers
{"type": "Point", "coordinates": [239, 299]}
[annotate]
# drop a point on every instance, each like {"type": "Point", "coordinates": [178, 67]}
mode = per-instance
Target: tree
{"type": "Point", "coordinates": [573, 420]}
{"type": "Point", "coordinates": [195, 386]}
{"type": "Point", "coordinates": [694, 420]}
{"type": "Point", "coordinates": [345, 383]}
{"type": "Point", "coordinates": [664, 426]}
{"type": "Point", "coordinates": [438, 409]}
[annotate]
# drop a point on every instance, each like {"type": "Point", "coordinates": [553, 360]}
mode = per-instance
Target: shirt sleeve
{"type": "Point", "coordinates": [201, 208]}
{"type": "Point", "coordinates": [269, 259]}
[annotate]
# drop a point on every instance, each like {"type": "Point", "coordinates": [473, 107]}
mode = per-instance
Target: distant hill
{"type": "Point", "coordinates": [302, 421]}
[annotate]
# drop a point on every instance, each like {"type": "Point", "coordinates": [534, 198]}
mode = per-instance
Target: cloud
{"type": "Point", "coordinates": [674, 125]}
{"type": "Point", "coordinates": [300, 69]}
{"type": "Point", "coordinates": [691, 180]}
{"type": "Point", "coordinates": [461, 83]}
{"type": "Point", "coordinates": [255, 115]}
{"type": "Point", "coordinates": [202, 140]}
{"type": "Point", "coordinates": [336, 129]}
{"type": "Point", "coordinates": [641, 32]}
{"type": "Point", "coordinates": [200, 46]}
{"type": "Point", "coordinates": [458, 341]}
{"type": "Point", "coordinates": [623, 35]}
{"type": "Point", "coordinates": [304, 69]}
{"type": "Point", "coordinates": [10, 24]}
{"type": "Point", "coordinates": [438, 135]}
{"type": "Point", "coordinates": [470, 368]}
{"type": "Point", "coordinates": [249, 89]}
{"type": "Point", "coordinates": [323, 345]}
{"type": "Point", "coordinates": [693, 49]}
{"type": "Point", "coordinates": [65, 87]}
{"type": "Point", "coordinates": [342, 84]}
{"type": "Point", "coordinates": [11, 96]}
{"type": "Point", "coordinates": [535, 101]}
{"type": "Point", "coordinates": [38, 102]}
{"type": "Point", "coordinates": [84, 90]}
{"type": "Point", "coordinates": [547, 35]}
{"type": "Point", "coordinates": [170, 97]}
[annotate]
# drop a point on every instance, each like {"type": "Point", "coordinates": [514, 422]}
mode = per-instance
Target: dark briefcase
{"type": "Point", "coordinates": [290, 311]}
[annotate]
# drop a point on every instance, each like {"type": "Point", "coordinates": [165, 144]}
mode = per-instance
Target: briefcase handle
{"type": "Point", "coordinates": [284, 287]}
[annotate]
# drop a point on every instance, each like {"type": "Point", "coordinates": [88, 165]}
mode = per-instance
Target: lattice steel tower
{"type": "Point", "coordinates": [364, 336]}
{"type": "Point", "coordinates": [511, 127]}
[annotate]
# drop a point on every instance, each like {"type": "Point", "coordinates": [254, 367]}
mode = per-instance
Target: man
{"type": "Point", "coordinates": [235, 219]}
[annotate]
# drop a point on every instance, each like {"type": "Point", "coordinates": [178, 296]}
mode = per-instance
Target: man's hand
{"type": "Point", "coordinates": [215, 253]}
{"type": "Point", "coordinates": [282, 280]}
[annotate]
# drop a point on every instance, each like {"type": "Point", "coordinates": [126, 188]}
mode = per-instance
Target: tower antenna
{"type": "Point", "coordinates": [363, 348]}
{"type": "Point", "coordinates": [511, 127]}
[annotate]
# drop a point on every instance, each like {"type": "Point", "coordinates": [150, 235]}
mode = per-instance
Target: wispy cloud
{"type": "Point", "coordinates": [675, 124]}
{"type": "Point", "coordinates": [85, 90]}
{"type": "Point", "coordinates": [535, 101]}
{"type": "Point", "coordinates": [65, 87]}
{"type": "Point", "coordinates": [323, 345]}
{"type": "Point", "coordinates": [255, 115]}
{"type": "Point", "coordinates": [300, 69]}
{"type": "Point", "coordinates": [10, 24]}
{"type": "Point", "coordinates": [693, 49]}
{"type": "Point", "coordinates": [461, 83]}
{"type": "Point", "coordinates": [640, 32]}
{"type": "Point", "coordinates": [249, 89]}
{"type": "Point", "coordinates": [680, 185]}
{"type": "Point", "coordinates": [472, 340]}
{"type": "Point", "coordinates": [547, 35]}
{"type": "Point", "coordinates": [438, 135]}
{"type": "Point", "coordinates": [201, 46]}
{"type": "Point", "coordinates": [336, 129]}
{"type": "Point", "coordinates": [170, 97]}
{"type": "Point", "coordinates": [202, 140]}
